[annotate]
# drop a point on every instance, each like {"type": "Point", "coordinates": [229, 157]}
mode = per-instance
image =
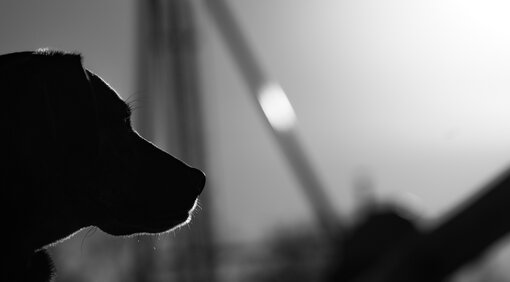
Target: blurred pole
{"type": "Point", "coordinates": [278, 111]}
{"type": "Point", "coordinates": [169, 112]}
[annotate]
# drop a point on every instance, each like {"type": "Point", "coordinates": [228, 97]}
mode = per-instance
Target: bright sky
{"type": "Point", "coordinates": [417, 93]}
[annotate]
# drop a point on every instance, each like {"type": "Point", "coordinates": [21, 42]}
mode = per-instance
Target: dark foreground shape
{"type": "Point", "coordinates": [70, 159]}
{"type": "Point", "coordinates": [389, 248]}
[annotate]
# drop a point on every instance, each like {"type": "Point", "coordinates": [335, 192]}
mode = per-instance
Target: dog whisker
{"type": "Point", "coordinates": [90, 232]}
{"type": "Point", "coordinates": [132, 103]}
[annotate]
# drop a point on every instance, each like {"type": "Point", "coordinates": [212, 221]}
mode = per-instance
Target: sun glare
{"type": "Point", "coordinates": [276, 107]}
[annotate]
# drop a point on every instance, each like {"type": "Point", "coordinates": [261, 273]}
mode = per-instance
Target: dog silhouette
{"type": "Point", "coordinates": [70, 159]}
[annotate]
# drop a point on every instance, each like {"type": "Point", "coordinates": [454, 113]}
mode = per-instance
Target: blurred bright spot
{"type": "Point", "coordinates": [277, 107]}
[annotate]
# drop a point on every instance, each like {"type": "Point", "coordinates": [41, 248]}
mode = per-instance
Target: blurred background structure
{"type": "Point", "coordinates": [413, 95]}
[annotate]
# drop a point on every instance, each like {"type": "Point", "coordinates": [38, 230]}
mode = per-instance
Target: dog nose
{"type": "Point", "coordinates": [198, 179]}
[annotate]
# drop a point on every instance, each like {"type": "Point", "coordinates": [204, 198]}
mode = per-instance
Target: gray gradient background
{"type": "Point", "coordinates": [414, 93]}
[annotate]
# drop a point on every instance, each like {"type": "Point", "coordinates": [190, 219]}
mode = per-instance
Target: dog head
{"type": "Point", "coordinates": [73, 160]}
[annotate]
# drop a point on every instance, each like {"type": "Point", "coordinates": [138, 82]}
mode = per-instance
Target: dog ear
{"type": "Point", "coordinates": [24, 118]}
{"type": "Point", "coordinates": [49, 120]}
{"type": "Point", "coordinates": [49, 139]}
{"type": "Point", "coordinates": [70, 99]}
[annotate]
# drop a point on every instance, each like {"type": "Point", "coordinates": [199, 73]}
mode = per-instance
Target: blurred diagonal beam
{"type": "Point", "coordinates": [278, 112]}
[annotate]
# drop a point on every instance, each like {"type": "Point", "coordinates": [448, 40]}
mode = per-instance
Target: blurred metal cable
{"type": "Point", "coordinates": [279, 114]}
{"type": "Point", "coordinates": [169, 113]}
